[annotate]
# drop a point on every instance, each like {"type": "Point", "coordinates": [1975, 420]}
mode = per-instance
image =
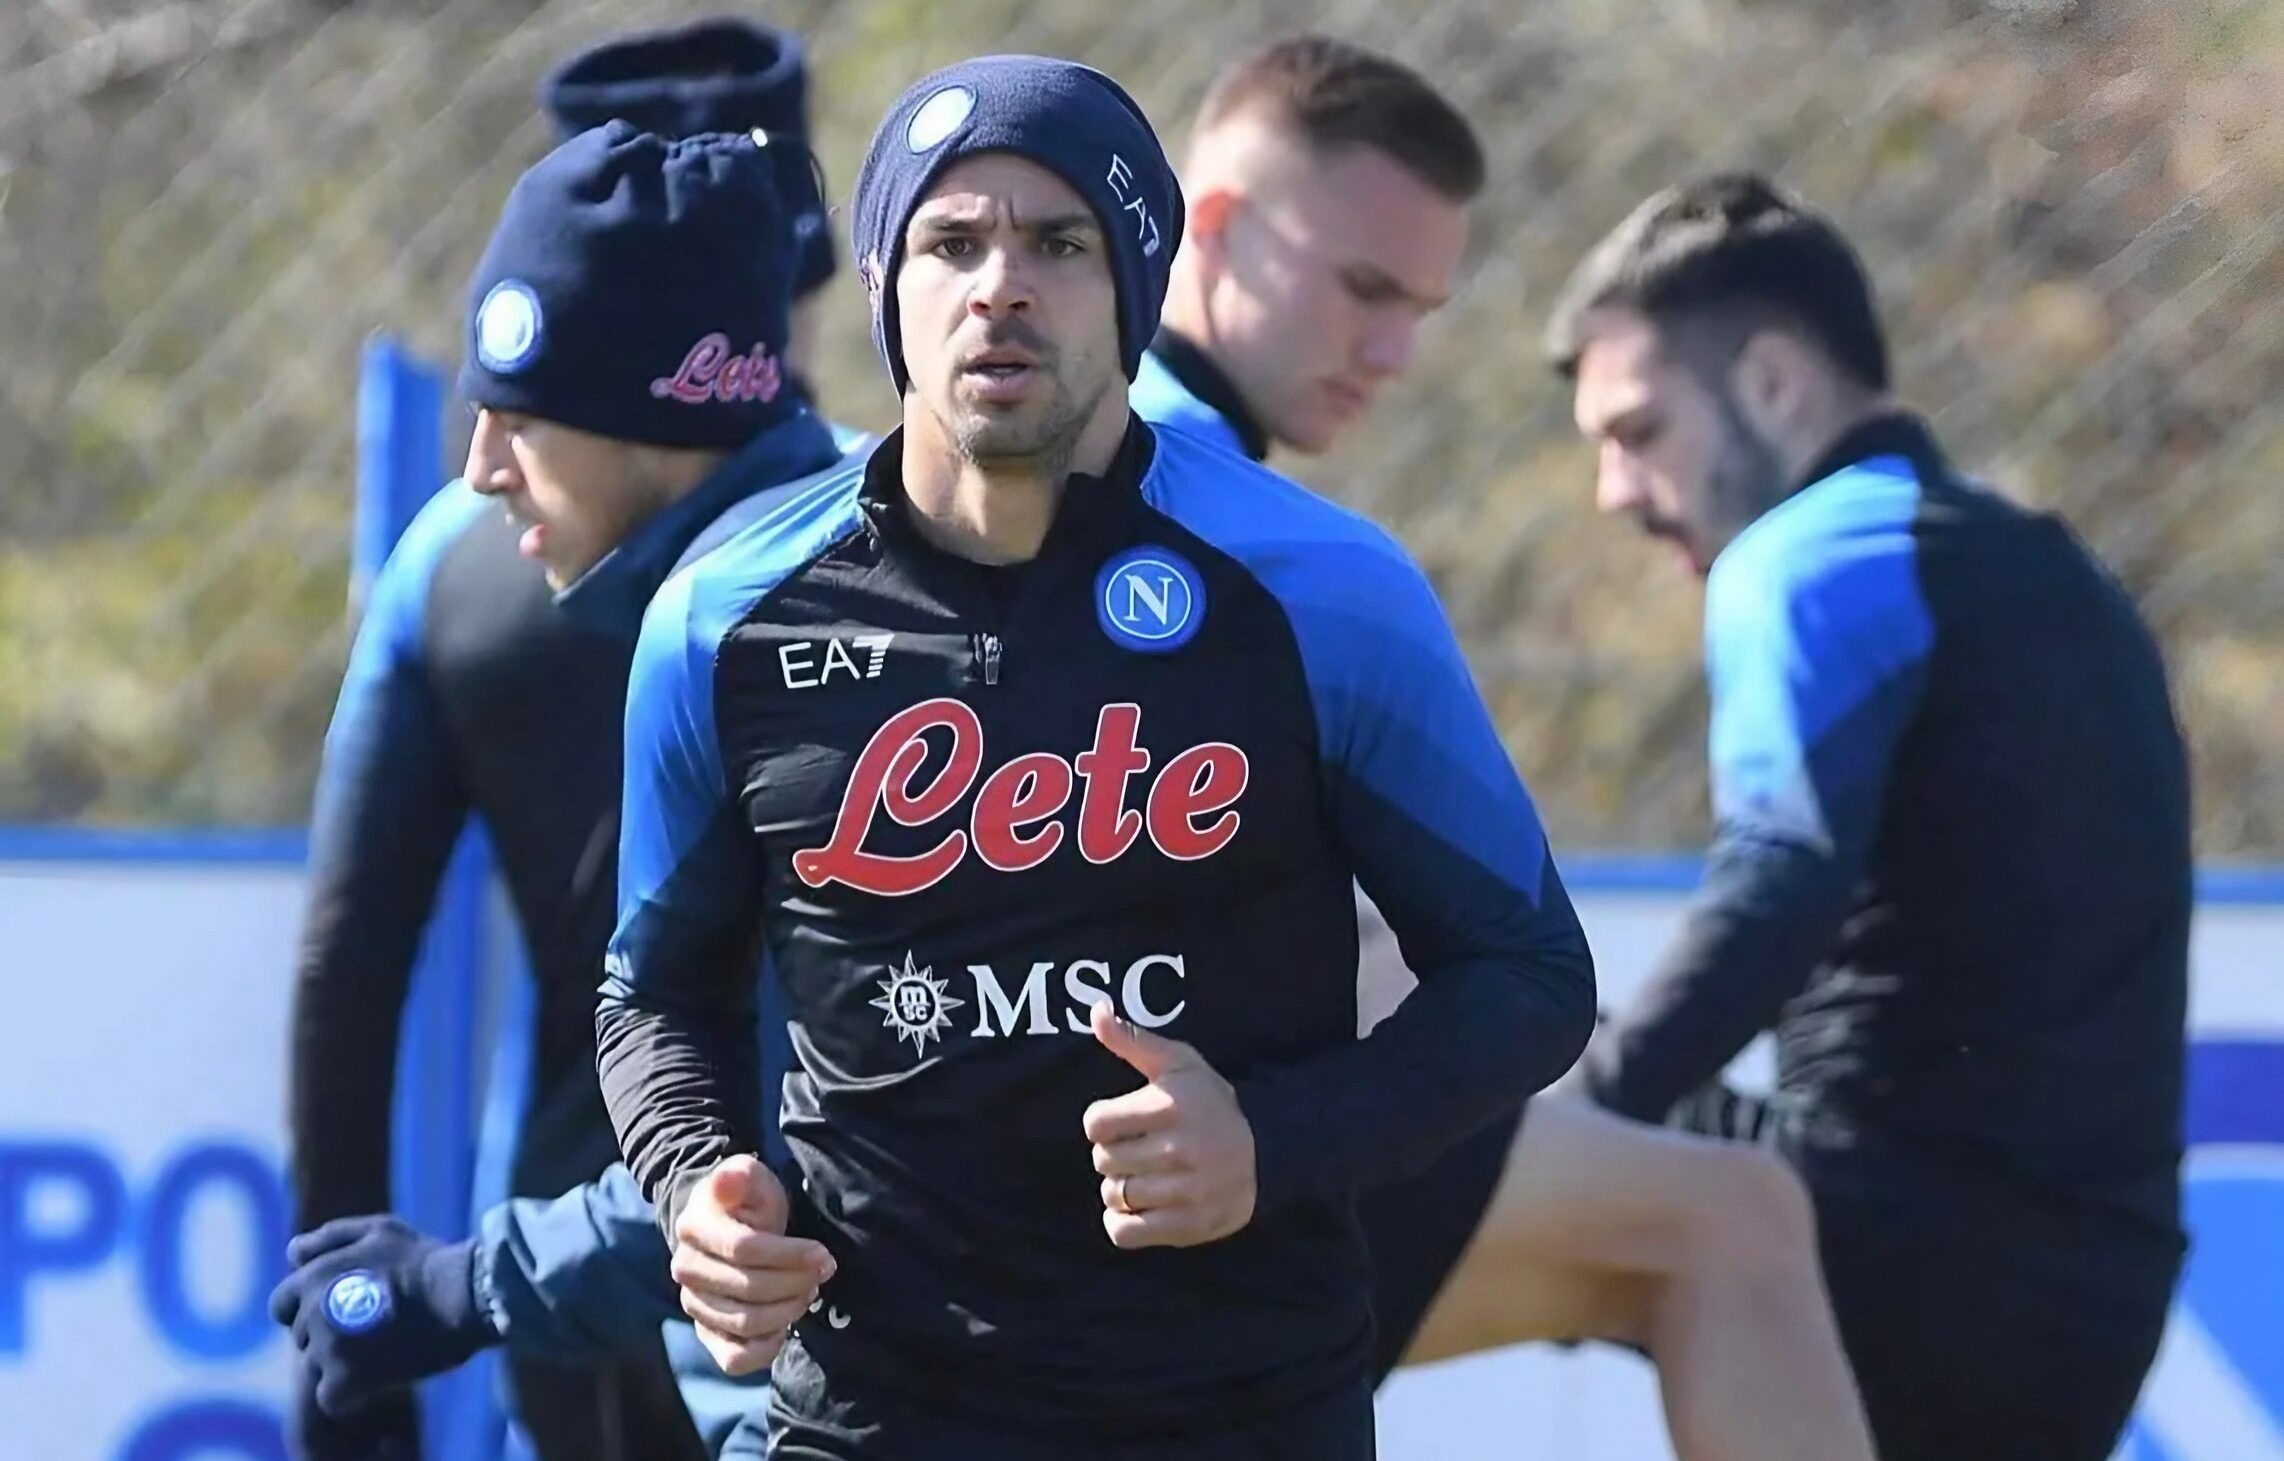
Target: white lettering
{"type": "Point", "coordinates": [1084, 997]}
{"type": "Point", "coordinates": [1145, 227]}
{"type": "Point", "coordinates": [1130, 990]}
{"type": "Point", "coordinates": [837, 655]}
{"type": "Point", "coordinates": [785, 654]}
{"type": "Point", "coordinates": [1086, 983]}
{"type": "Point", "coordinates": [1160, 602]}
{"type": "Point", "coordinates": [991, 996]}
{"type": "Point", "coordinates": [803, 672]}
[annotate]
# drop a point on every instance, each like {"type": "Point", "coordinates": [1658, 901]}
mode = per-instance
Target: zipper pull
{"type": "Point", "coordinates": [991, 659]}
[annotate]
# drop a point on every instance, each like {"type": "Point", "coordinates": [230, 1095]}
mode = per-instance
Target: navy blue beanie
{"type": "Point", "coordinates": [1070, 119]}
{"type": "Point", "coordinates": [638, 288]}
{"type": "Point", "coordinates": [718, 75]}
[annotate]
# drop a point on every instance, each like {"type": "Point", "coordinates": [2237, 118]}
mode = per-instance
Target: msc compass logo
{"type": "Point", "coordinates": [913, 1004]}
{"type": "Point", "coordinates": [356, 1301]}
{"type": "Point", "coordinates": [1150, 600]}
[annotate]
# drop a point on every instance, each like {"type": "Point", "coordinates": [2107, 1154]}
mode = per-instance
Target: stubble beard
{"type": "Point", "coordinates": [1749, 478]}
{"type": "Point", "coordinates": [1043, 439]}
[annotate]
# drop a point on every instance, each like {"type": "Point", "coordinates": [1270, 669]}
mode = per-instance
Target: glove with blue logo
{"type": "Point", "coordinates": [375, 1305]}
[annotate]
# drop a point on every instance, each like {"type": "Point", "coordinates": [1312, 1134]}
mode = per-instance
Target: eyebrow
{"type": "Point", "coordinates": [1378, 280]}
{"type": "Point", "coordinates": [979, 221]}
{"type": "Point", "coordinates": [1628, 421]}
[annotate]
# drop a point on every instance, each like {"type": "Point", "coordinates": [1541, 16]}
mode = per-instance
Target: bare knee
{"type": "Point", "coordinates": [1752, 1214]}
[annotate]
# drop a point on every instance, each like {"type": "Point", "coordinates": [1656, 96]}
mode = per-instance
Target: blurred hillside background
{"type": "Point", "coordinates": [2075, 212]}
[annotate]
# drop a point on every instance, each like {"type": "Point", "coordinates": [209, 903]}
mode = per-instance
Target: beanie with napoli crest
{"type": "Point", "coordinates": [1070, 119]}
{"type": "Point", "coordinates": [638, 288]}
{"type": "Point", "coordinates": [721, 74]}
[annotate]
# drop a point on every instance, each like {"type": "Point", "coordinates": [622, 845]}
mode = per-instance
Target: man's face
{"type": "Point", "coordinates": [1322, 282]}
{"type": "Point", "coordinates": [1008, 310]}
{"type": "Point", "coordinates": [575, 493]}
{"type": "Point", "coordinates": [1673, 450]}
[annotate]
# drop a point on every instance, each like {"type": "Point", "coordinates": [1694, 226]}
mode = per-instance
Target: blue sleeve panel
{"type": "Point", "coordinates": [1817, 636]}
{"type": "Point", "coordinates": [1435, 825]}
{"type": "Point", "coordinates": [850, 440]}
{"type": "Point", "coordinates": [389, 808]}
{"type": "Point", "coordinates": [578, 1278]}
{"type": "Point", "coordinates": [675, 1025]}
{"type": "Point", "coordinates": [731, 1413]}
{"type": "Point", "coordinates": [1159, 398]}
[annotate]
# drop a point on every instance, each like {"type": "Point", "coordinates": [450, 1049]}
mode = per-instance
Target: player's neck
{"type": "Point", "coordinates": [1189, 315]}
{"type": "Point", "coordinates": [1815, 440]}
{"type": "Point", "coordinates": [667, 475]}
{"type": "Point", "coordinates": [999, 510]}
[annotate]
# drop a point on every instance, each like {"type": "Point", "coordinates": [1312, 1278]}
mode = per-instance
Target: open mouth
{"type": "Point", "coordinates": [999, 373]}
{"type": "Point", "coordinates": [533, 540]}
{"type": "Point", "coordinates": [1348, 401]}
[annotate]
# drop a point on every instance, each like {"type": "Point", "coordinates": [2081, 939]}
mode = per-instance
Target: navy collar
{"type": "Point", "coordinates": [612, 595]}
{"type": "Point", "coordinates": [1093, 510]}
{"type": "Point", "coordinates": [1890, 434]}
{"type": "Point", "coordinates": [1206, 380]}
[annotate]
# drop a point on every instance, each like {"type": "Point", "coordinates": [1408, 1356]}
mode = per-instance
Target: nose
{"type": "Point", "coordinates": [1617, 482]}
{"type": "Point", "coordinates": [1391, 342]}
{"type": "Point", "coordinates": [1002, 283]}
{"type": "Point", "coordinates": [491, 467]}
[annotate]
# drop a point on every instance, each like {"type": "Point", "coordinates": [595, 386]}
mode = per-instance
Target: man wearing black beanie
{"type": "Point", "coordinates": [1042, 752]}
{"type": "Point", "coordinates": [624, 355]}
{"type": "Point", "coordinates": [721, 74]}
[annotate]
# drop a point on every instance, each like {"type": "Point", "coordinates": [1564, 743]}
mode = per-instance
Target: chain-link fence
{"type": "Point", "coordinates": [2075, 212]}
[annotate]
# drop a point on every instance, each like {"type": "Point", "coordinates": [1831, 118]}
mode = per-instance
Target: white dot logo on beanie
{"type": "Point", "coordinates": [507, 327]}
{"type": "Point", "coordinates": [938, 117]}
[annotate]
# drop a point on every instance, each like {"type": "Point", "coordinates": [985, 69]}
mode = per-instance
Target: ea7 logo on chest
{"type": "Point", "coordinates": [809, 663]}
{"type": "Point", "coordinates": [1188, 811]}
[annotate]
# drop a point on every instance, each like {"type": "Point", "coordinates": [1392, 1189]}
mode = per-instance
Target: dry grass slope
{"type": "Point", "coordinates": [2076, 212]}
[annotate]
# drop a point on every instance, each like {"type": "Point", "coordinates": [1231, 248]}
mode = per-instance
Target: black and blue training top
{"type": "Point", "coordinates": [1951, 866]}
{"type": "Point", "coordinates": [959, 805]}
{"type": "Point", "coordinates": [474, 691]}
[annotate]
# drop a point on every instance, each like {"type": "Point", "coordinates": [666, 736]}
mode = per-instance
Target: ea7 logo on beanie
{"type": "Point", "coordinates": [507, 327]}
{"type": "Point", "coordinates": [709, 372]}
{"type": "Point", "coordinates": [1121, 180]}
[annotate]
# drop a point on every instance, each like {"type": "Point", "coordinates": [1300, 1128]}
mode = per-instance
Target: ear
{"type": "Point", "coordinates": [1771, 380]}
{"type": "Point", "coordinates": [1206, 226]}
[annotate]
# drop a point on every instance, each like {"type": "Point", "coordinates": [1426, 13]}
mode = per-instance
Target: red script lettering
{"type": "Point", "coordinates": [1004, 825]}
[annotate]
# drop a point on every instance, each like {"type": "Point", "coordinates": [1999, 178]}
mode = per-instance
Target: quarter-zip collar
{"type": "Point", "coordinates": [1203, 378]}
{"type": "Point", "coordinates": [1091, 514]}
{"type": "Point", "coordinates": [1890, 434]}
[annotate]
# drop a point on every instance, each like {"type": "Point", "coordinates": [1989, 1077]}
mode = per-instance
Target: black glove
{"type": "Point", "coordinates": [375, 1305]}
{"type": "Point", "coordinates": [387, 1428]}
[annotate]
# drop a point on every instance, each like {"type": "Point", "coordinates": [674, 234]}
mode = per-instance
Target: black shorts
{"type": "Point", "coordinates": [1418, 1229]}
{"type": "Point", "coordinates": [1977, 1336]}
{"type": "Point", "coordinates": [807, 1425]}
{"type": "Point", "coordinates": [1983, 1322]}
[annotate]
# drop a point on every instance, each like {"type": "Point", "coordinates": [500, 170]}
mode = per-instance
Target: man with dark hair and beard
{"type": "Point", "coordinates": [1951, 862]}
{"type": "Point", "coordinates": [1043, 750]}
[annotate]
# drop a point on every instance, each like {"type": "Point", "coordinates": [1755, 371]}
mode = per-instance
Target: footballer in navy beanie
{"type": "Point", "coordinates": [638, 288]}
{"type": "Point", "coordinates": [719, 75]}
{"type": "Point", "coordinates": [1070, 119]}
